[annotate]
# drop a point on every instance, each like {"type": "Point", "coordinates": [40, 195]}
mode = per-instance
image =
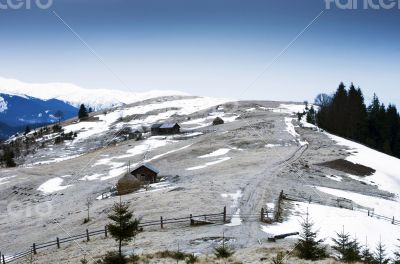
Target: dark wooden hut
{"type": "Point", "coordinates": [165, 129]}
{"type": "Point", "coordinates": [146, 173]}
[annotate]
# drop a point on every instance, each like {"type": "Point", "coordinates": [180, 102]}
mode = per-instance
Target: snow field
{"type": "Point", "coordinates": [387, 175]}
{"type": "Point", "coordinates": [329, 220]}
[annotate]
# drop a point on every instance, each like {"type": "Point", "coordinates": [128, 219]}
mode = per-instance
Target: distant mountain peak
{"type": "Point", "coordinates": [75, 95]}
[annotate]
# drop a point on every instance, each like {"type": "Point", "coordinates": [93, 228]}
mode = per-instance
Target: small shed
{"type": "Point", "coordinates": [165, 129]}
{"type": "Point", "coordinates": [135, 135]}
{"type": "Point", "coordinates": [146, 173]}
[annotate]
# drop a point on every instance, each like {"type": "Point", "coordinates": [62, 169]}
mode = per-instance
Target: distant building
{"type": "Point", "coordinates": [165, 129]}
{"type": "Point", "coordinates": [146, 173]}
{"type": "Point", "coordinates": [135, 135]}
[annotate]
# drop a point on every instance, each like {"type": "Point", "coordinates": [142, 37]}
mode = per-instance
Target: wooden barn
{"type": "Point", "coordinates": [146, 173]}
{"type": "Point", "coordinates": [165, 129]}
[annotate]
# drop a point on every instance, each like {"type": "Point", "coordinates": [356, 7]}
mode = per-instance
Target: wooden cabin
{"type": "Point", "coordinates": [146, 173]}
{"type": "Point", "coordinates": [165, 129]}
{"type": "Point", "coordinates": [135, 135]}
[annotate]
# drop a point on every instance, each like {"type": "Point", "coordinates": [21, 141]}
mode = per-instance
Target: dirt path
{"type": "Point", "coordinates": [260, 190]}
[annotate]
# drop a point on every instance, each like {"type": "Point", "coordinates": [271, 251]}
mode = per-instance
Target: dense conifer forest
{"type": "Point", "coordinates": [346, 114]}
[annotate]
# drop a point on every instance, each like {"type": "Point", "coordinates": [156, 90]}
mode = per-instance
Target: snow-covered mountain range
{"type": "Point", "coordinates": [75, 95]}
{"type": "Point", "coordinates": [17, 112]}
{"type": "Point", "coordinates": [35, 104]}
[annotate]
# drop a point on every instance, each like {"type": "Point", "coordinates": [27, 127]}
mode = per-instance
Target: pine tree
{"type": "Point", "coordinates": [311, 116]}
{"type": "Point", "coordinates": [27, 130]}
{"type": "Point", "coordinates": [354, 253]}
{"type": "Point", "coordinates": [357, 114]}
{"type": "Point", "coordinates": [8, 158]}
{"type": "Point", "coordinates": [397, 256]}
{"type": "Point", "coordinates": [380, 254]}
{"type": "Point", "coordinates": [83, 113]}
{"type": "Point", "coordinates": [366, 256]}
{"type": "Point", "coordinates": [393, 129]}
{"type": "Point", "coordinates": [375, 123]}
{"type": "Point", "coordinates": [346, 115]}
{"type": "Point", "coordinates": [348, 249]}
{"type": "Point", "coordinates": [122, 228]}
{"type": "Point", "coordinates": [308, 247]}
{"type": "Point", "coordinates": [339, 115]}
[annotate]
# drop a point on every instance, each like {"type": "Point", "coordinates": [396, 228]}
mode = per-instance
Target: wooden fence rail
{"type": "Point", "coordinates": [57, 242]}
{"type": "Point", "coordinates": [370, 213]}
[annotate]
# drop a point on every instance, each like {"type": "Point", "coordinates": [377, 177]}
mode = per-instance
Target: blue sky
{"type": "Point", "coordinates": [207, 47]}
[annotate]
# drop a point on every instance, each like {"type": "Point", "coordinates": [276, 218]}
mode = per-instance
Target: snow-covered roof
{"type": "Point", "coordinates": [169, 125]}
{"type": "Point", "coordinates": [148, 166]}
{"type": "Point", "coordinates": [156, 125]}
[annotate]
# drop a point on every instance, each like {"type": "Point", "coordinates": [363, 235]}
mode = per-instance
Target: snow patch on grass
{"type": "Point", "coordinates": [5, 180]}
{"type": "Point", "coordinates": [235, 220]}
{"type": "Point", "coordinates": [289, 108]}
{"type": "Point", "coordinates": [291, 130]}
{"type": "Point", "coordinates": [234, 197]}
{"type": "Point", "coordinates": [168, 152]}
{"type": "Point", "coordinates": [92, 177]}
{"type": "Point", "coordinates": [209, 164]}
{"type": "Point", "coordinates": [207, 121]}
{"type": "Point", "coordinates": [219, 152]}
{"type": "Point", "coordinates": [53, 185]}
{"type": "Point", "coordinates": [64, 158]}
{"type": "Point", "coordinates": [272, 145]}
{"type": "Point", "coordinates": [334, 178]}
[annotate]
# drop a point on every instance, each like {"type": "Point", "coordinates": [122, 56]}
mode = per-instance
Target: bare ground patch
{"type": "Point", "coordinates": [348, 167]}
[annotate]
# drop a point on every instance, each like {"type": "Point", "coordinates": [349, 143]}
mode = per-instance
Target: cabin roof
{"type": "Point", "coordinates": [156, 125]}
{"type": "Point", "coordinates": [169, 125]}
{"type": "Point", "coordinates": [148, 166]}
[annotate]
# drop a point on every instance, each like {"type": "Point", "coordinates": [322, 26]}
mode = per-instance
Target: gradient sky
{"type": "Point", "coordinates": [205, 47]}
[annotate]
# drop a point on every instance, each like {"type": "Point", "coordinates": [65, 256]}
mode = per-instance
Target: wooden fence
{"type": "Point", "coordinates": [341, 203]}
{"type": "Point", "coordinates": [192, 220]}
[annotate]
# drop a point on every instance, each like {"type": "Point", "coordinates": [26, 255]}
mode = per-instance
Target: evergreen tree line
{"type": "Point", "coordinates": [345, 114]}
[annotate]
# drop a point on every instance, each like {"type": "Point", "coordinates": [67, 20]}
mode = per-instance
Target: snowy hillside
{"type": "Point", "coordinates": [75, 95]}
{"type": "Point", "coordinates": [330, 220]}
{"type": "Point", "coordinates": [260, 150]}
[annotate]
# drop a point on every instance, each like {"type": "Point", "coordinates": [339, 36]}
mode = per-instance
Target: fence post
{"type": "Point", "coordinates": [58, 242]}
{"type": "Point", "coordinates": [224, 214]}
{"type": "Point", "coordinates": [161, 221]}
{"type": "Point", "coordinates": [393, 221]}
{"type": "Point", "coordinates": [262, 214]}
{"type": "Point", "coordinates": [34, 248]}
{"type": "Point", "coordinates": [309, 200]}
{"type": "Point", "coordinates": [368, 212]}
{"type": "Point", "coordinates": [87, 235]}
{"type": "Point", "coordinates": [105, 230]}
{"type": "Point", "coordinates": [4, 259]}
{"type": "Point", "coordinates": [191, 220]}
